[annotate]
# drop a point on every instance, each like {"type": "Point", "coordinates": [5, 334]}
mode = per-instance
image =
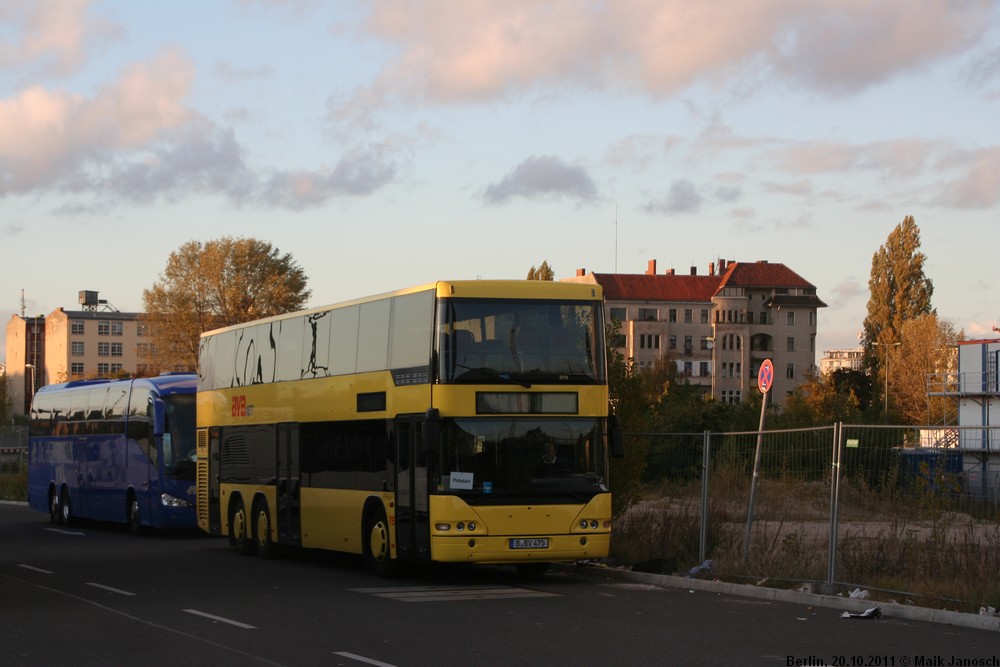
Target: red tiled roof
{"type": "Point", "coordinates": [642, 287]}
{"type": "Point", "coordinates": [674, 287]}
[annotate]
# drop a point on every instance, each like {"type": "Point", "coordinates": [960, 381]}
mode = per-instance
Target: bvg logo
{"type": "Point", "coordinates": [240, 407]}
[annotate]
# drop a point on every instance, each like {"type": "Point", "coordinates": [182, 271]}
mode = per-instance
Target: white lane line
{"type": "Point", "coordinates": [63, 531]}
{"type": "Point", "coordinates": [451, 593]}
{"type": "Point", "coordinates": [361, 658]}
{"type": "Point", "coordinates": [220, 619]}
{"type": "Point", "coordinates": [34, 569]}
{"type": "Point", "coordinates": [108, 588]}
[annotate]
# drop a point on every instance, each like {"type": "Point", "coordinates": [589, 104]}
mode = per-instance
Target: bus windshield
{"type": "Point", "coordinates": [496, 341]}
{"type": "Point", "coordinates": [178, 436]}
{"type": "Point", "coordinates": [504, 460]}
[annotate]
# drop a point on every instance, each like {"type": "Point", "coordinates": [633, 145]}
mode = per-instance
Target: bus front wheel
{"type": "Point", "coordinates": [376, 548]}
{"type": "Point", "coordinates": [266, 547]}
{"type": "Point", "coordinates": [239, 529]}
{"type": "Point", "coordinates": [134, 516]}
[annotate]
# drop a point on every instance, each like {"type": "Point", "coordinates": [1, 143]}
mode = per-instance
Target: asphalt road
{"type": "Point", "coordinates": [95, 595]}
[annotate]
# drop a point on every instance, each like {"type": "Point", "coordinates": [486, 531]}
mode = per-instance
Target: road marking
{"type": "Point", "coordinates": [220, 619]}
{"type": "Point", "coordinates": [108, 588]}
{"type": "Point", "coordinates": [451, 593]}
{"type": "Point", "coordinates": [63, 531]}
{"type": "Point", "coordinates": [361, 658]}
{"type": "Point", "coordinates": [34, 569]}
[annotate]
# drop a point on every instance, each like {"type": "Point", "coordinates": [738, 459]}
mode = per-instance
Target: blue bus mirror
{"type": "Point", "coordinates": [159, 416]}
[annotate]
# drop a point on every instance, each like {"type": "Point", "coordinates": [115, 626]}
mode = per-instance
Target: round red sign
{"type": "Point", "coordinates": [765, 376]}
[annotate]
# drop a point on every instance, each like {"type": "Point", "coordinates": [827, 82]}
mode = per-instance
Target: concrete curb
{"type": "Point", "coordinates": [891, 609]}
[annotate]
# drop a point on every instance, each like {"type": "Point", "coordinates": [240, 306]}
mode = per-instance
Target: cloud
{"type": "Point", "coordinates": [542, 177]}
{"type": "Point", "coordinates": [48, 136]}
{"type": "Point", "coordinates": [978, 184]}
{"type": "Point", "coordinates": [488, 50]}
{"type": "Point", "coordinates": [52, 35]}
{"type": "Point", "coordinates": [360, 172]}
{"type": "Point", "coordinates": [682, 198]}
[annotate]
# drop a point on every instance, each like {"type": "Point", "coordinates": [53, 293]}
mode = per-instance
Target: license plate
{"type": "Point", "coordinates": [529, 543]}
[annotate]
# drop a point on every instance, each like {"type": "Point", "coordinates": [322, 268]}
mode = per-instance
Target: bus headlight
{"type": "Point", "coordinates": [168, 500]}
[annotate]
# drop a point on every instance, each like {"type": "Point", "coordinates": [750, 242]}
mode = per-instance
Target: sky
{"type": "Point", "coordinates": [387, 144]}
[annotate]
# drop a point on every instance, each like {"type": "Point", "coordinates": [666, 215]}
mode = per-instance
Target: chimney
{"type": "Point", "coordinates": [722, 266]}
{"type": "Point", "coordinates": [694, 270]}
{"type": "Point", "coordinates": [670, 272]}
{"type": "Point", "coordinates": [711, 268]}
{"type": "Point", "coordinates": [581, 272]}
{"type": "Point", "coordinates": [651, 268]}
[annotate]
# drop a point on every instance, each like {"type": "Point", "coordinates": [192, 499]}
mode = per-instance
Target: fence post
{"type": "Point", "coordinates": [834, 501]}
{"type": "Point", "coordinates": [703, 534]}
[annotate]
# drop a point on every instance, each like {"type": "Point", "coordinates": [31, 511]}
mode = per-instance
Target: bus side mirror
{"type": "Point", "coordinates": [616, 437]}
{"type": "Point", "coordinates": [159, 416]}
{"type": "Point", "coordinates": [429, 430]}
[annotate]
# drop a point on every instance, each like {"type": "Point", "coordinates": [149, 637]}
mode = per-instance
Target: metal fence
{"type": "Point", "coordinates": [844, 505]}
{"type": "Point", "coordinates": [13, 448]}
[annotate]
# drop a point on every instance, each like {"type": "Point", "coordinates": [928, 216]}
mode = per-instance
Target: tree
{"type": "Point", "coordinates": [216, 284]}
{"type": "Point", "coordinates": [543, 272]}
{"type": "Point", "coordinates": [927, 346]}
{"type": "Point", "coordinates": [899, 292]}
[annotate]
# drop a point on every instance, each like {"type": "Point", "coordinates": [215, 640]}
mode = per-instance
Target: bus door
{"type": "Point", "coordinates": [412, 525]}
{"type": "Point", "coordinates": [289, 516]}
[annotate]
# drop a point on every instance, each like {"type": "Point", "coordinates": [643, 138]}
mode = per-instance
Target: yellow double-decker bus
{"type": "Point", "coordinates": [455, 422]}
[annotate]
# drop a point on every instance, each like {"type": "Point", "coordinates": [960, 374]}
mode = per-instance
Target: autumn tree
{"type": "Point", "coordinates": [543, 272]}
{"type": "Point", "coordinates": [899, 292]}
{"type": "Point", "coordinates": [215, 284]}
{"type": "Point", "coordinates": [928, 347]}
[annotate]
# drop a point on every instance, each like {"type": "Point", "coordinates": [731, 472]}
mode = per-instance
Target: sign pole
{"type": "Point", "coordinates": [765, 378]}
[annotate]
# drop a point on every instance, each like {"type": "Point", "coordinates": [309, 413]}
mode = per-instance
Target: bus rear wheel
{"type": "Point", "coordinates": [377, 552]}
{"type": "Point", "coordinates": [55, 513]}
{"type": "Point", "coordinates": [266, 548]}
{"type": "Point", "coordinates": [239, 529]}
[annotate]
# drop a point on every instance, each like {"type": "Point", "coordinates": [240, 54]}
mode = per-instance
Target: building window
{"type": "Point", "coordinates": [102, 370]}
{"type": "Point", "coordinates": [104, 349]}
{"type": "Point", "coordinates": [116, 328]}
{"type": "Point", "coordinates": [790, 318]}
{"type": "Point", "coordinates": [688, 319]}
{"type": "Point", "coordinates": [103, 328]}
{"type": "Point", "coordinates": [76, 348]}
{"type": "Point", "coordinates": [672, 342]}
{"type": "Point", "coordinates": [142, 329]}
{"type": "Point", "coordinates": [673, 314]}
{"type": "Point", "coordinates": [704, 342]}
{"type": "Point", "coordinates": [649, 341]}
{"type": "Point", "coordinates": [116, 349]}
{"type": "Point", "coordinates": [812, 318]}
{"type": "Point", "coordinates": [704, 316]}
{"type": "Point", "coordinates": [116, 369]}
{"type": "Point", "coordinates": [791, 343]}
{"type": "Point", "coordinates": [648, 314]}
{"type": "Point", "coordinates": [688, 368]}
{"type": "Point", "coordinates": [617, 341]}
{"type": "Point", "coordinates": [76, 368]}
{"type": "Point", "coordinates": [76, 327]}
{"type": "Point", "coordinates": [703, 370]}
{"type": "Point", "coordinates": [790, 371]}
{"type": "Point", "coordinates": [749, 317]}
{"type": "Point", "coordinates": [617, 315]}
{"type": "Point", "coordinates": [763, 317]}
{"type": "Point", "coordinates": [688, 344]}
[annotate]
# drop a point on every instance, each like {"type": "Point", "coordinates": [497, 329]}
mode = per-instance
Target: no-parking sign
{"type": "Point", "coordinates": [765, 376]}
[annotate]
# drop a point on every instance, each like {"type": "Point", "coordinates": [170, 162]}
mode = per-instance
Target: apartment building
{"type": "Point", "coordinates": [95, 341]}
{"type": "Point", "coordinates": [835, 360]}
{"type": "Point", "coordinates": [717, 327]}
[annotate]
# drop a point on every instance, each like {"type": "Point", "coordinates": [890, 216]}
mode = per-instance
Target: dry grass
{"type": "Point", "coordinates": [916, 546]}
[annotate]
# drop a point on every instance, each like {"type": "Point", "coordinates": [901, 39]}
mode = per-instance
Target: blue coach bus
{"type": "Point", "coordinates": [115, 450]}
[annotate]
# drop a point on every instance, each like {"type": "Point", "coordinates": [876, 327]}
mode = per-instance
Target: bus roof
{"type": "Point", "coordinates": [167, 383]}
{"type": "Point", "coordinates": [486, 289]}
